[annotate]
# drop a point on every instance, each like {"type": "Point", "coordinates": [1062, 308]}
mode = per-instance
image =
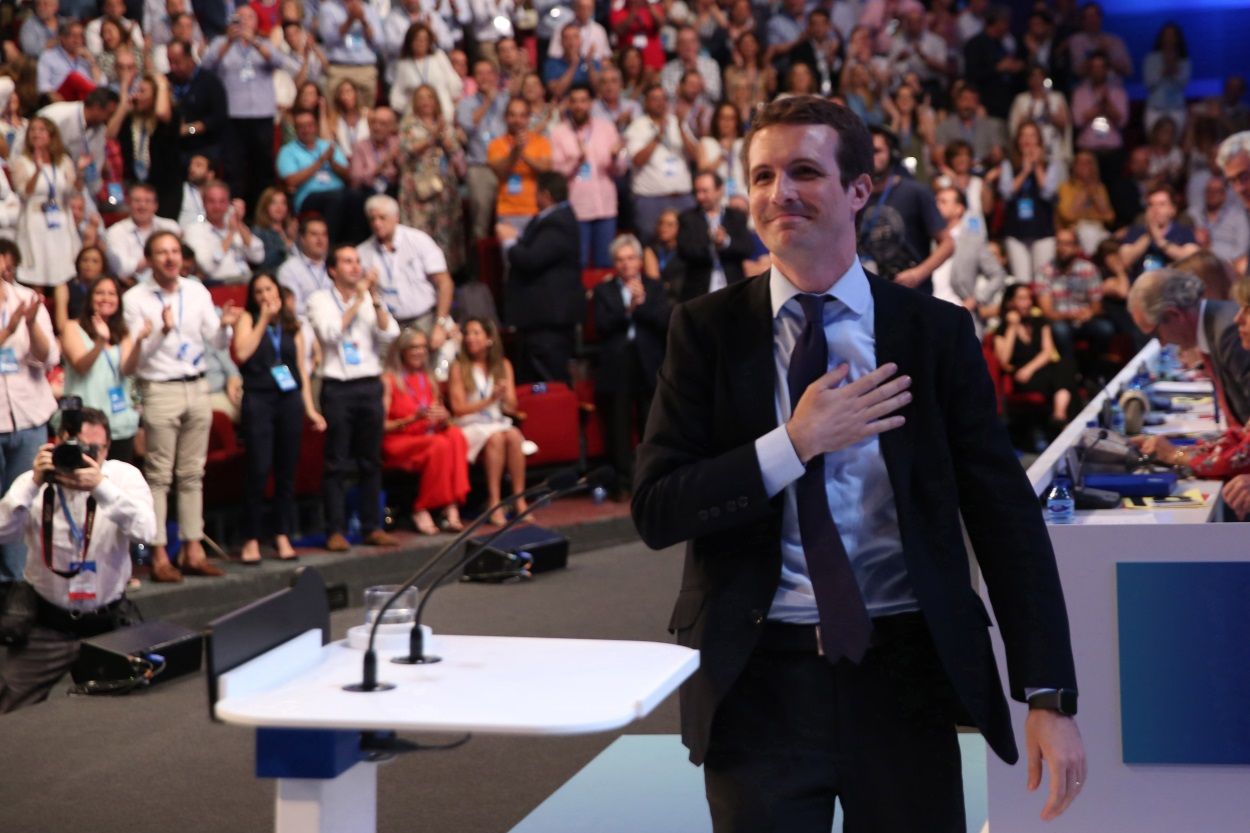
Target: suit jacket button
{"type": "Point", "coordinates": [756, 617]}
{"type": "Point", "coordinates": [742, 501]}
{"type": "Point", "coordinates": [703, 514]}
{"type": "Point", "coordinates": [714, 512]}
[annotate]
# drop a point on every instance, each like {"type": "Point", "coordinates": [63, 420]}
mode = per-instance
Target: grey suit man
{"type": "Point", "coordinates": [1168, 305]}
{"type": "Point", "coordinates": [972, 277]}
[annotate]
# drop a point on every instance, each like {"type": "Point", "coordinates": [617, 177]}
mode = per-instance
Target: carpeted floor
{"type": "Point", "coordinates": [154, 761]}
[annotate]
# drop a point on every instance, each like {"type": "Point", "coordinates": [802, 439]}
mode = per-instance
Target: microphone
{"type": "Point", "coordinates": [369, 675]}
{"type": "Point", "coordinates": [416, 639]}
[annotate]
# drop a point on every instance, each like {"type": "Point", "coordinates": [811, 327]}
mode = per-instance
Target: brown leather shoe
{"type": "Point", "coordinates": [165, 572]}
{"type": "Point", "coordinates": [381, 538]}
{"type": "Point", "coordinates": [205, 569]}
{"type": "Point", "coordinates": [337, 543]}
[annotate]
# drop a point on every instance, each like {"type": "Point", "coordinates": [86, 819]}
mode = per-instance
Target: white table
{"type": "Point", "coordinates": [570, 686]}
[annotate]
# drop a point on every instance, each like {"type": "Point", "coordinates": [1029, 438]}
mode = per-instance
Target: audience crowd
{"type": "Point", "coordinates": [359, 166]}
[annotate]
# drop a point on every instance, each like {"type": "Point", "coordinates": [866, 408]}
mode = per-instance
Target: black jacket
{"type": "Point", "coordinates": [612, 323]}
{"type": "Point", "coordinates": [203, 99]}
{"type": "Point", "coordinates": [544, 285]}
{"type": "Point", "coordinates": [698, 480]}
{"type": "Point", "coordinates": [694, 245]}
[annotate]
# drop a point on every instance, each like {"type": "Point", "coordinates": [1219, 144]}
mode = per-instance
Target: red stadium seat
{"type": "Point", "coordinates": [1004, 385]}
{"type": "Point", "coordinates": [552, 421]}
{"type": "Point", "coordinates": [236, 293]}
{"type": "Point", "coordinates": [224, 468]}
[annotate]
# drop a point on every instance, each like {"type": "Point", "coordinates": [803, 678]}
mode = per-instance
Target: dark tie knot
{"type": "Point", "coordinates": [813, 307]}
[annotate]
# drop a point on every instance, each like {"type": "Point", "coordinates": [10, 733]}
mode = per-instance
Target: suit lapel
{"type": "Point", "coordinates": [754, 382]}
{"type": "Point", "coordinates": [891, 325]}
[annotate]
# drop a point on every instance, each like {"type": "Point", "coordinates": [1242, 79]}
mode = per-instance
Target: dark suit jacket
{"type": "Point", "coordinates": [166, 173]}
{"type": "Point", "coordinates": [205, 100]}
{"type": "Point", "coordinates": [612, 322]}
{"type": "Point", "coordinates": [698, 480]}
{"type": "Point", "coordinates": [805, 53]}
{"type": "Point", "coordinates": [694, 245]}
{"type": "Point", "coordinates": [1231, 361]}
{"type": "Point", "coordinates": [544, 286]}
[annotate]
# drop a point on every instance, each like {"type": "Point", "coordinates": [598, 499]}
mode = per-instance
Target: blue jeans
{"type": "Point", "coordinates": [17, 455]}
{"type": "Point", "coordinates": [596, 238]}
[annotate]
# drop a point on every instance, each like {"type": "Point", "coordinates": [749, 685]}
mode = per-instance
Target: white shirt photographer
{"type": "Point", "coordinates": [123, 513]}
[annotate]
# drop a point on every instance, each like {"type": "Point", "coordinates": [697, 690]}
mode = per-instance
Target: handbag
{"type": "Point", "coordinates": [428, 184]}
{"type": "Point", "coordinates": [18, 606]}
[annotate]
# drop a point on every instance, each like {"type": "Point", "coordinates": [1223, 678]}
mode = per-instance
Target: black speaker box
{"type": "Point", "coordinates": [122, 655]}
{"type": "Point", "coordinates": [544, 549]}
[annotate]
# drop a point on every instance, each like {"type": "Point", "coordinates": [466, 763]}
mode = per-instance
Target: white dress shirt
{"type": "Point", "coordinates": [124, 513]}
{"type": "Point", "coordinates": [192, 210]}
{"type": "Point", "coordinates": [861, 498]}
{"type": "Point", "coordinates": [667, 171]}
{"type": "Point", "coordinates": [404, 272]}
{"type": "Point", "coordinates": [325, 313]}
{"type": "Point", "coordinates": [178, 354]}
{"type": "Point", "coordinates": [206, 240]}
{"type": "Point", "coordinates": [26, 399]}
{"type": "Point", "coordinates": [303, 276]}
{"type": "Point", "coordinates": [126, 242]}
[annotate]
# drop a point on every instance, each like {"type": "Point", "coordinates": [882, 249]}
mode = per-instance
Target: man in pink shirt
{"type": "Point", "coordinates": [1100, 111]}
{"type": "Point", "coordinates": [587, 150]}
{"type": "Point", "coordinates": [374, 168]}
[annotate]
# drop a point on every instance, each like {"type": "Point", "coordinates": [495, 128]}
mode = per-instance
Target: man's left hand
{"type": "Point", "coordinates": [1053, 738]}
{"type": "Point", "coordinates": [84, 479]}
{"type": "Point", "coordinates": [234, 390]}
{"type": "Point", "coordinates": [1237, 495]}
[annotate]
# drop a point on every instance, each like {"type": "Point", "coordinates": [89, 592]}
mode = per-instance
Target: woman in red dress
{"type": "Point", "coordinates": [419, 437]}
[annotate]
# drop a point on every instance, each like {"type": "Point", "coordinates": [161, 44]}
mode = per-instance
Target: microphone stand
{"type": "Point", "coordinates": [369, 675]}
{"type": "Point", "coordinates": [416, 639]}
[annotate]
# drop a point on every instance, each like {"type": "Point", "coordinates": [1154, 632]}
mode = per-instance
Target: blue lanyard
{"type": "Point", "coordinates": [320, 281]}
{"type": "Point", "coordinates": [390, 273]}
{"type": "Point", "coordinates": [160, 296]}
{"type": "Point", "coordinates": [82, 124]}
{"type": "Point", "coordinates": [876, 210]}
{"type": "Point", "coordinates": [116, 372]}
{"type": "Point", "coordinates": [663, 258]}
{"type": "Point", "coordinates": [74, 531]}
{"type": "Point", "coordinates": [275, 338]}
{"type": "Point", "coordinates": [51, 180]}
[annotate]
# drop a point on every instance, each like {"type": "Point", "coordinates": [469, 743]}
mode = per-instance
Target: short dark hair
{"type": "Point", "coordinates": [580, 87]}
{"type": "Point", "coordinates": [101, 97]}
{"type": "Point", "coordinates": [960, 196]}
{"type": "Point", "coordinates": [716, 178]}
{"type": "Point", "coordinates": [556, 186]}
{"type": "Point", "coordinates": [9, 249]}
{"type": "Point", "coordinates": [853, 150]}
{"type": "Point", "coordinates": [332, 261]}
{"type": "Point", "coordinates": [141, 186]}
{"type": "Point", "coordinates": [308, 219]}
{"type": "Point", "coordinates": [94, 416]}
{"type": "Point", "coordinates": [1162, 188]}
{"type": "Point", "coordinates": [147, 247]}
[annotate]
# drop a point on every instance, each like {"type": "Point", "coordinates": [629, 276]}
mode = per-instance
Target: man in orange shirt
{"type": "Point", "coordinates": [517, 158]}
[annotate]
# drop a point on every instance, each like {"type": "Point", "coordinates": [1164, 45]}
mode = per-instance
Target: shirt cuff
{"type": "Point", "coordinates": [779, 462]}
{"type": "Point", "coordinates": [1030, 692]}
{"type": "Point", "coordinates": [30, 493]}
{"type": "Point", "coordinates": [106, 492]}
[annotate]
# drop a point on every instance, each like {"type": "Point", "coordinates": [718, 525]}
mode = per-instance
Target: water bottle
{"type": "Point", "coordinates": [1060, 505]}
{"type": "Point", "coordinates": [1117, 418]}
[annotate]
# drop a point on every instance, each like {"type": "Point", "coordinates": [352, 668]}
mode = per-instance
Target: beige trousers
{"type": "Point", "coordinates": [177, 417]}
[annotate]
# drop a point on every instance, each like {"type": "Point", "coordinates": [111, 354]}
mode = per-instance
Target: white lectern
{"type": "Point", "coordinates": [309, 728]}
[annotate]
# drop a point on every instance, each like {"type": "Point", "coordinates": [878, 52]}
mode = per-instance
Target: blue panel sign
{"type": "Point", "coordinates": [1184, 662]}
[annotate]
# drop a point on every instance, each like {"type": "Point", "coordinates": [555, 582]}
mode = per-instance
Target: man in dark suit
{"type": "Point", "coordinates": [819, 50]}
{"type": "Point", "coordinates": [543, 297]}
{"type": "Point", "coordinates": [712, 240]}
{"type": "Point", "coordinates": [200, 106]}
{"type": "Point", "coordinates": [1168, 305]}
{"type": "Point", "coordinates": [826, 582]}
{"type": "Point", "coordinates": [631, 319]}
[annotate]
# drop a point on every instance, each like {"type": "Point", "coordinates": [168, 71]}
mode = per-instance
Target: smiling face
{"type": "Point", "coordinates": [416, 353]}
{"type": "Point", "coordinates": [476, 341]}
{"type": "Point", "coordinates": [166, 258]}
{"type": "Point", "coordinates": [798, 201]}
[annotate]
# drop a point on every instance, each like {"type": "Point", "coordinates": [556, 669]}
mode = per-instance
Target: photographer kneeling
{"type": "Point", "coordinates": [78, 512]}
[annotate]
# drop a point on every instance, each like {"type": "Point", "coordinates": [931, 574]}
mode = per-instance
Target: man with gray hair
{"type": "Point", "coordinates": [411, 269]}
{"type": "Point", "coordinates": [1234, 159]}
{"type": "Point", "coordinates": [1169, 305]}
{"type": "Point", "coordinates": [631, 314]}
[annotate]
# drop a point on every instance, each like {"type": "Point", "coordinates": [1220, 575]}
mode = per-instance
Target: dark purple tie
{"type": "Point", "coordinates": [845, 629]}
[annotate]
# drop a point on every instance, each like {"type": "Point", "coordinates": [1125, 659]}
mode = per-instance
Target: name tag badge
{"type": "Point", "coordinates": [380, 185]}
{"type": "Point", "coordinates": [117, 399]}
{"type": "Point", "coordinates": [353, 40]}
{"type": "Point", "coordinates": [282, 376]}
{"type": "Point", "coordinates": [1149, 264]}
{"type": "Point", "coordinates": [184, 351]}
{"type": "Point", "coordinates": [248, 73]}
{"type": "Point", "coordinates": [351, 353]}
{"type": "Point", "coordinates": [51, 215]}
{"type": "Point", "coordinates": [91, 173]}
{"type": "Point", "coordinates": [8, 361]}
{"type": "Point", "coordinates": [583, 172]}
{"type": "Point", "coordinates": [323, 177]}
{"type": "Point", "coordinates": [82, 586]}
{"type": "Point", "coordinates": [1024, 208]}
{"type": "Point", "coordinates": [514, 184]}
{"type": "Point", "coordinates": [670, 167]}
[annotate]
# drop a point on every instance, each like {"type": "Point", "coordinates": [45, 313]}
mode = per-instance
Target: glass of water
{"type": "Point", "coordinates": [402, 611]}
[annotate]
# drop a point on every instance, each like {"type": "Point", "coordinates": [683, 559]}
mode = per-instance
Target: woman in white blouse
{"type": "Point", "coordinates": [421, 62]}
{"type": "Point", "coordinates": [349, 119]}
{"type": "Point", "coordinates": [44, 176]}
